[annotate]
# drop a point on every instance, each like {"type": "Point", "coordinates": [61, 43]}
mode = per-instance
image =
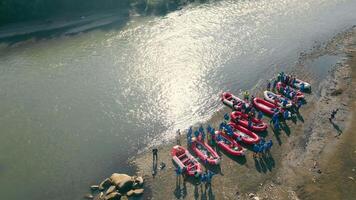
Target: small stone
{"type": "Point", "coordinates": [256, 198]}
{"type": "Point", "coordinates": [110, 190]}
{"type": "Point", "coordinates": [94, 187]}
{"type": "Point", "coordinates": [105, 184]}
{"type": "Point", "coordinates": [351, 178]}
{"type": "Point", "coordinates": [135, 192]}
{"type": "Point", "coordinates": [272, 185]}
{"type": "Point", "coordinates": [100, 196]}
{"type": "Point", "coordinates": [353, 169]}
{"type": "Point", "coordinates": [88, 196]}
{"type": "Point", "coordinates": [113, 196]}
{"type": "Point", "coordinates": [139, 180]}
{"type": "Point", "coordinates": [251, 195]}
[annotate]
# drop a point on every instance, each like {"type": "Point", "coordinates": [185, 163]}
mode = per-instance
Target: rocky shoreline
{"type": "Point", "coordinates": [303, 150]}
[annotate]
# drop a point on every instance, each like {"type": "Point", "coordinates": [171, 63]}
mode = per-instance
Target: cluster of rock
{"type": "Point", "coordinates": [116, 186]}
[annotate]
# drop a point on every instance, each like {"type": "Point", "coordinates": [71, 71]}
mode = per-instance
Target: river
{"type": "Point", "coordinates": [75, 108]}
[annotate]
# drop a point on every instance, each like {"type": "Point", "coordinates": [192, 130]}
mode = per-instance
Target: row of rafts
{"type": "Point", "coordinates": [242, 126]}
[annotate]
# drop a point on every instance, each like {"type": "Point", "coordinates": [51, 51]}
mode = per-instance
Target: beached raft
{"type": "Point", "coordinates": [270, 96]}
{"type": "Point", "coordinates": [228, 144]}
{"type": "Point", "coordinates": [205, 152]}
{"type": "Point", "coordinates": [232, 101]}
{"type": "Point", "coordinates": [281, 88]}
{"type": "Point", "coordinates": [183, 159]}
{"type": "Point", "coordinates": [298, 84]}
{"type": "Point", "coordinates": [265, 106]}
{"type": "Point", "coordinates": [242, 119]}
{"type": "Point", "coordinates": [246, 136]}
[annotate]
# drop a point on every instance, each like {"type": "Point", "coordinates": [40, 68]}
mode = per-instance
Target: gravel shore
{"type": "Point", "coordinates": [306, 153]}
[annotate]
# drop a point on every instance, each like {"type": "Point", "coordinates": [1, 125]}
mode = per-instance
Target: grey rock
{"type": "Point", "coordinates": [105, 184]}
{"type": "Point", "coordinates": [135, 192]}
{"type": "Point", "coordinates": [88, 196]}
{"type": "Point", "coordinates": [94, 187]}
{"type": "Point", "coordinates": [113, 196]}
{"type": "Point", "coordinates": [110, 190]}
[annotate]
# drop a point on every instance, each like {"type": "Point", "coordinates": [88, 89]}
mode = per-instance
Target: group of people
{"type": "Point", "coordinates": [262, 147]}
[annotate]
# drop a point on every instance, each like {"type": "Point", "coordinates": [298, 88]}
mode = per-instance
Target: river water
{"type": "Point", "coordinates": [73, 109]}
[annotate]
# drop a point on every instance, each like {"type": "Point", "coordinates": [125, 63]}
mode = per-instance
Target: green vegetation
{"type": "Point", "coordinates": [24, 10]}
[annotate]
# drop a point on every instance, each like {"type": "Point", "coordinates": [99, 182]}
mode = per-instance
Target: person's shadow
{"type": "Point", "coordinates": [178, 191]}
{"type": "Point", "coordinates": [337, 128]}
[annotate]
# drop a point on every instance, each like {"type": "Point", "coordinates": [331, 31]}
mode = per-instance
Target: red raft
{"type": "Point", "coordinates": [257, 125]}
{"type": "Point", "coordinates": [228, 144]}
{"type": "Point", "coordinates": [244, 134]}
{"type": "Point", "coordinates": [265, 106]}
{"type": "Point", "coordinates": [186, 161]}
{"type": "Point", "coordinates": [281, 88]}
{"type": "Point", "coordinates": [232, 101]}
{"type": "Point", "coordinates": [205, 152]}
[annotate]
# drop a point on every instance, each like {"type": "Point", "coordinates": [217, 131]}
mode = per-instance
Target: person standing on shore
{"type": "Point", "coordinates": [268, 85]}
{"type": "Point", "coordinates": [154, 161]}
{"type": "Point", "coordinates": [246, 95]}
{"type": "Point", "coordinates": [178, 137]}
{"type": "Point", "coordinates": [274, 85]}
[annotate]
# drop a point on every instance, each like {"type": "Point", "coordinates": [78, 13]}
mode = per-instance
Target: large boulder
{"type": "Point", "coordinates": [113, 196]}
{"type": "Point", "coordinates": [105, 184]}
{"type": "Point", "coordinates": [121, 181]}
{"type": "Point", "coordinates": [135, 192]}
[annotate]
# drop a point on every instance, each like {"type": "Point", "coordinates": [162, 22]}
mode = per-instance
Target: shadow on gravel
{"type": "Point", "coordinates": [264, 163]}
{"type": "Point", "coordinates": [337, 128]}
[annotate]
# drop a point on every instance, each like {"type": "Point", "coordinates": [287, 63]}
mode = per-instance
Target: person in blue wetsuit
{"type": "Point", "coordinates": [286, 114]}
{"type": "Point", "coordinates": [255, 150]}
{"type": "Point", "coordinates": [276, 125]}
{"type": "Point", "coordinates": [284, 102]}
{"type": "Point", "coordinates": [299, 104]}
{"type": "Point", "coordinates": [274, 85]}
{"type": "Point", "coordinates": [259, 115]}
{"type": "Point", "coordinates": [196, 133]}
{"type": "Point", "coordinates": [275, 117]}
{"type": "Point", "coordinates": [302, 87]}
{"type": "Point", "coordinates": [269, 146]}
{"type": "Point", "coordinates": [268, 85]}
{"type": "Point", "coordinates": [249, 124]}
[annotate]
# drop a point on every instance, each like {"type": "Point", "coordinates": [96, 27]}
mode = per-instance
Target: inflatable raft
{"type": "Point", "coordinates": [298, 84]}
{"type": "Point", "coordinates": [270, 96]}
{"type": "Point", "coordinates": [281, 88]}
{"type": "Point", "coordinates": [205, 152]}
{"type": "Point", "coordinates": [228, 144]}
{"type": "Point", "coordinates": [265, 106]}
{"type": "Point", "coordinates": [182, 158]}
{"type": "Point", "coordinates": [257, 125]}
{"type": "Point", "coordinates": [244, 134]}
{"type": "Point", "coordinates": [229, 99]}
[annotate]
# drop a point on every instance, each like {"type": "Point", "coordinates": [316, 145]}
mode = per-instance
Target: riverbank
{"type": "Point", "coordinates": [59, 26]}
{"type": "Point", "coordinates": [302, 152]}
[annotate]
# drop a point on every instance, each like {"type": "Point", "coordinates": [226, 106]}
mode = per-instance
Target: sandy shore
{"type": "Point", "coordinates": [307, 158]}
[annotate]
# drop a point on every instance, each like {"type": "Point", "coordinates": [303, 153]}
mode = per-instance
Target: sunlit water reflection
{"type": "Point", "coordinates": [75, 108]}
